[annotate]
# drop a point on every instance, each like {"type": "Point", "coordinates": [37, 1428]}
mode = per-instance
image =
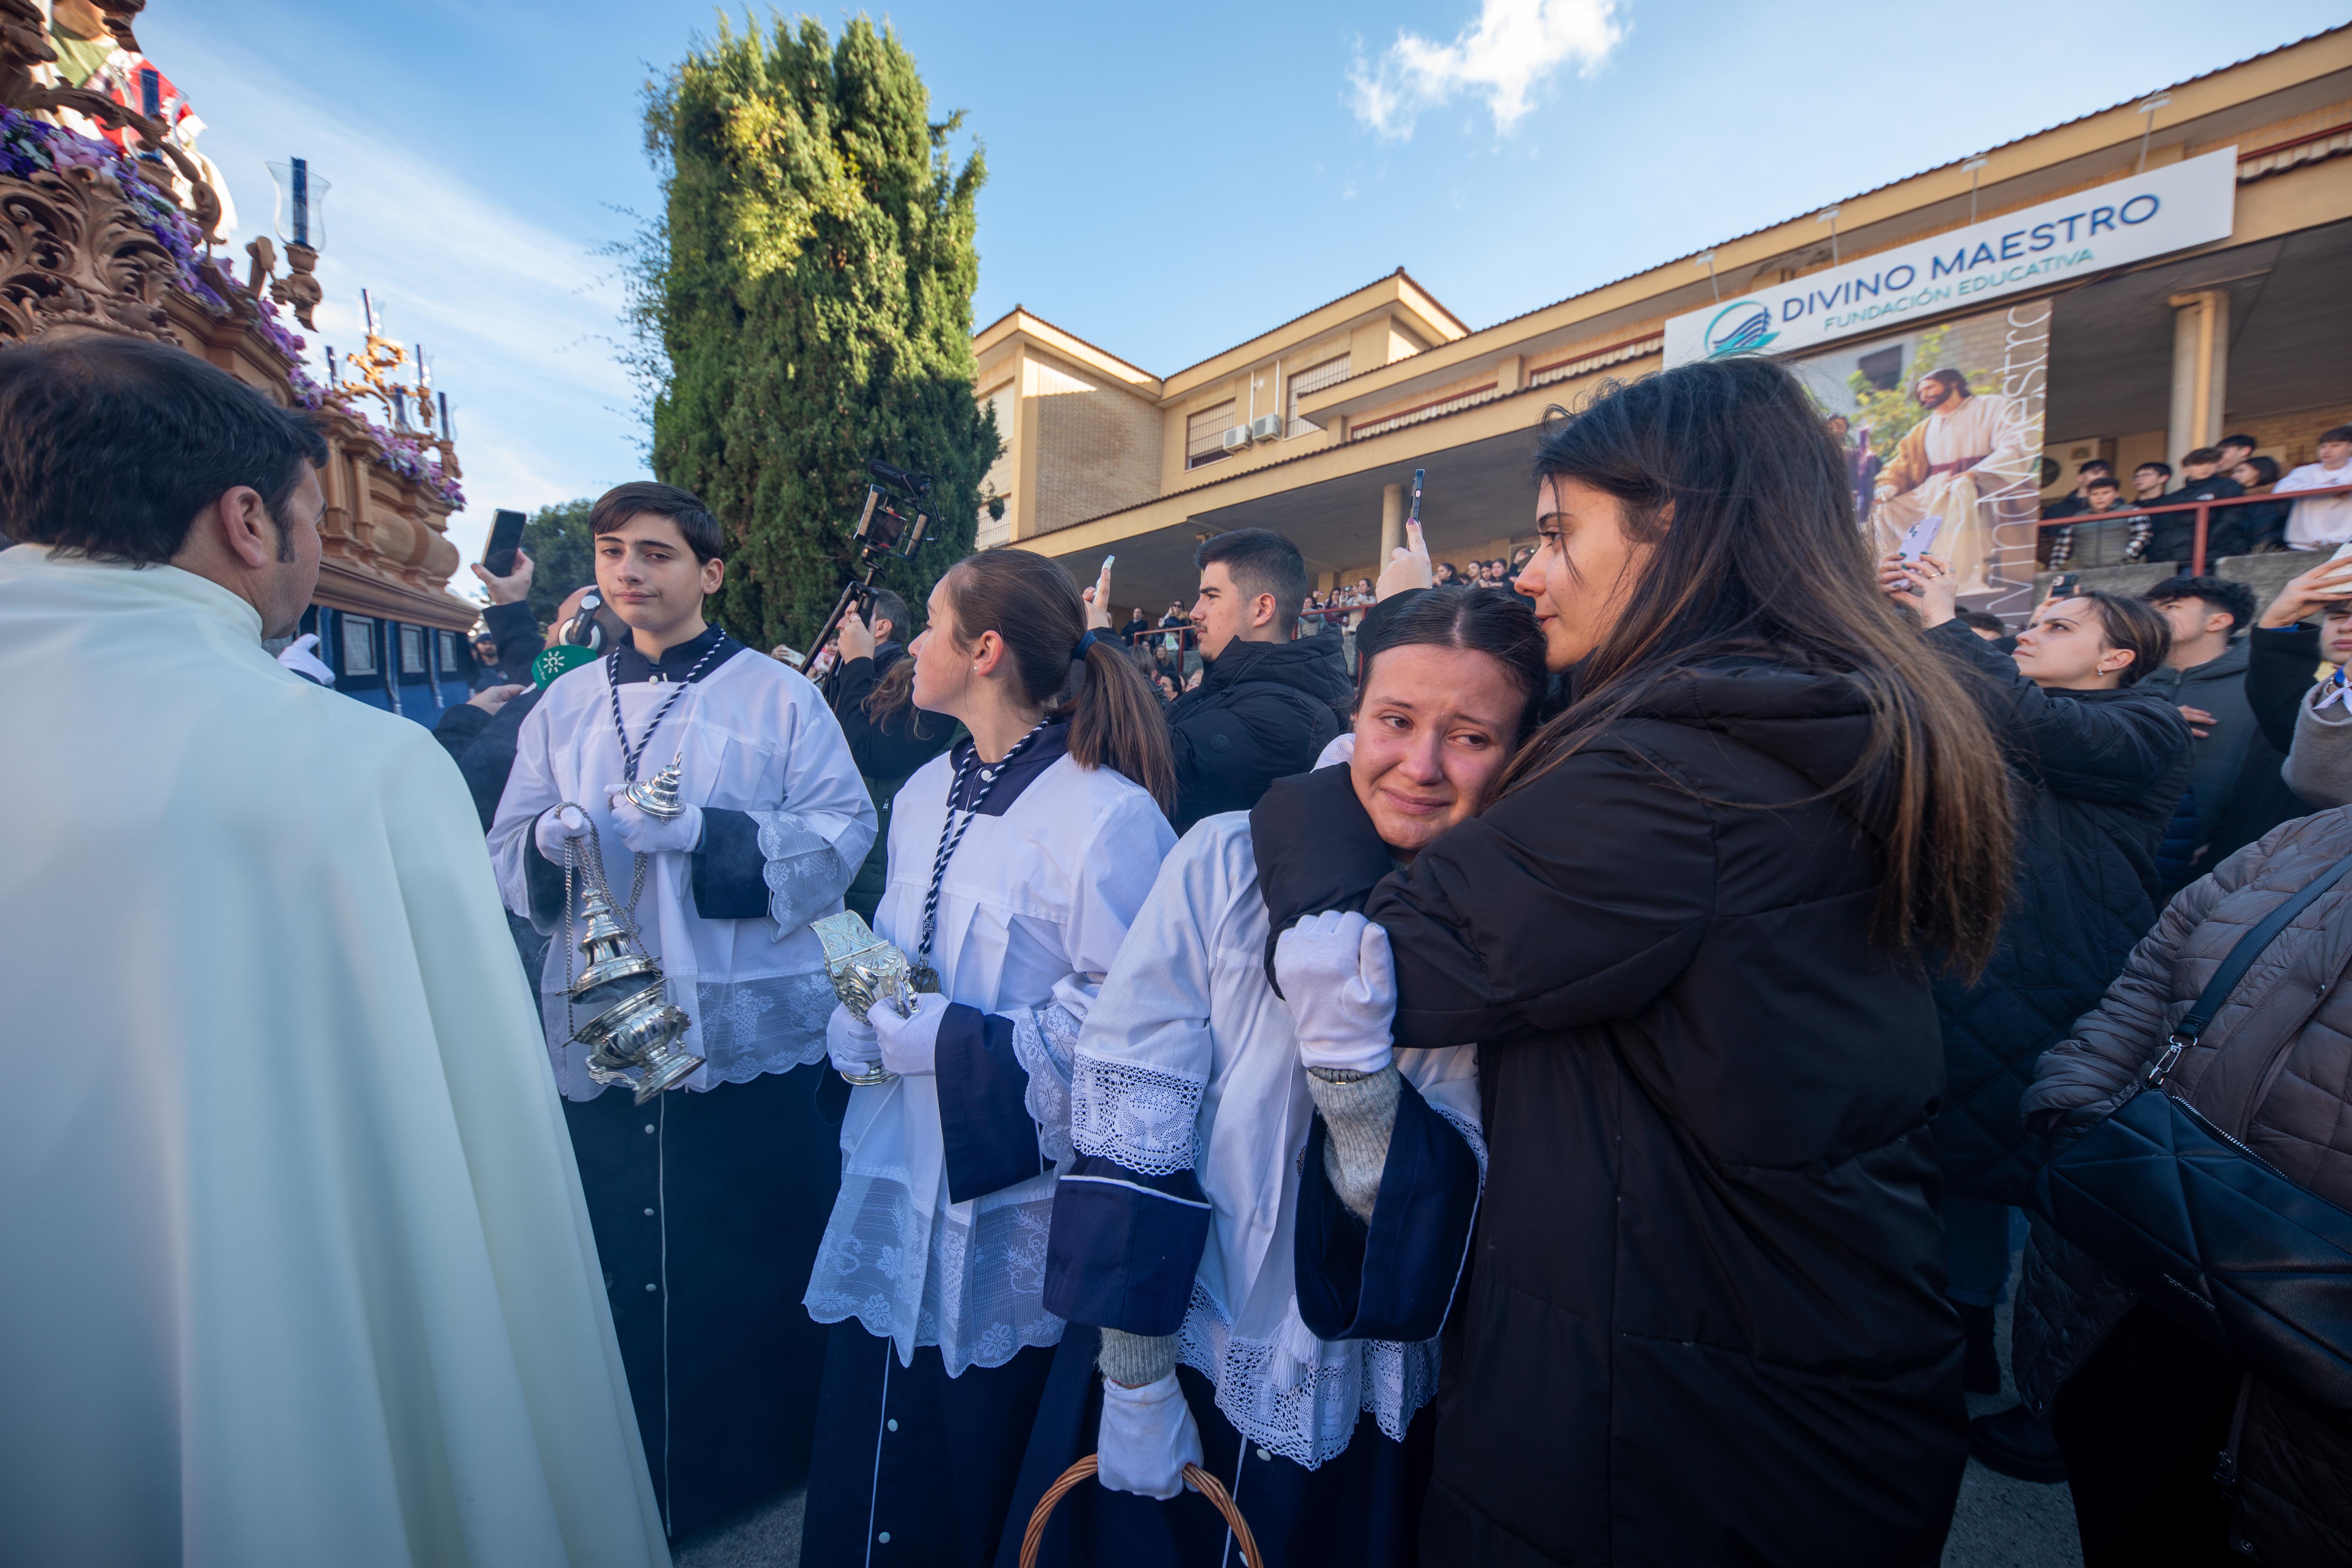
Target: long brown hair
{"type": "Point", "coordinates": [1763, 558]}
{"type": "Point", "coordinates": [1030, 601]}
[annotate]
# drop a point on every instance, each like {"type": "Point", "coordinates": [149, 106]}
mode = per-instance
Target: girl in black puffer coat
{"type": "Point", "coordinates": [1703, 1320]}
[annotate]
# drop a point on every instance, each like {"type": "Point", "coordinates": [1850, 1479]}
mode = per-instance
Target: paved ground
{"type": "Point", "coordinates": [2004, 1524]}
{"type": "Point", "coordinates": [768, 1536]}
{"type": "Point", "coordinates": [2001, 1523]}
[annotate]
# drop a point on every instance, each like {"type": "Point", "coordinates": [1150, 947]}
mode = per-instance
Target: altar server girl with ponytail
{"type": "Point", "coordinates": [1270, 1207]}
{"type": "Point", "coordinates": [1017, 862]}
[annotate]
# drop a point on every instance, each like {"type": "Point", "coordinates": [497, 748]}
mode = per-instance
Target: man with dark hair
{"type": "Point", "coordinates": [2234, 449]}
{"type": "Point", "coordinates": [1268, 704]}
{"type": "Point", "coordinates": [707, 1226]}
{"type": "Point", "coordinates": [2323, 522]}
{"type": "Point", "coordinates": [2235, 792]}
{"type": "Point", "coordinates": [295, 1258]}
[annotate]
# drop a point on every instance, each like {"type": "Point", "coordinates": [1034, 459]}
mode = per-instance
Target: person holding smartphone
{"type": "Point", "coordinates": [2097, 765]}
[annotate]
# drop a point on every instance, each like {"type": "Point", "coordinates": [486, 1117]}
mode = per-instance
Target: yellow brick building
{"type": "Point", "coordinates": [1313, 426]}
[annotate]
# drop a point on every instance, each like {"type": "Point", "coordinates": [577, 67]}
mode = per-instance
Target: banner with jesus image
{"type": "Point", "coordinates": [1947, 424]}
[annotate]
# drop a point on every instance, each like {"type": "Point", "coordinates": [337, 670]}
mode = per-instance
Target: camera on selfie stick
{"type": "Point", "coordinates": [884, 530]}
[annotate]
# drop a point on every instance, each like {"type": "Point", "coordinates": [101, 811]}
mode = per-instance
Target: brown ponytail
{"type": "Point", "coordinates": [1115, 719]}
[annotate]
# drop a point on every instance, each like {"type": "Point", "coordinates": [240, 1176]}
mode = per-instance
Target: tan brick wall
{"type": "Point", "coordinates": [1097, 452]}
{"type": "Point", "coordinates": [2293, 435]}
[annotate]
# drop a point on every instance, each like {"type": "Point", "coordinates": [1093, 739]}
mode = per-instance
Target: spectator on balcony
{"type": "Point", "coordinates": [2106, 533]}
{"type": "Point", "coordinates": [1445, 576]}
{"type": "Point", "coordinates": [1136, 625]}
{"type": "Point", "coordinates": [2175, 536]}
{"type": "Point", "coordinates": [2235, 794]}
{"type": "Point", "coordinates": [2261, 527]}
{"type": "Point", "coordinates": [2324, 521]}
{"type": "Point", "coordinates": [2149, 481]}
{"type": "Point", "coordinates": [2076, 501]}
{"type": "Point", "coordinates": [2234, 449]}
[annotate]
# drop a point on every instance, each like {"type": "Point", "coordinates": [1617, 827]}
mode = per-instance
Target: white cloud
{"type": "Point", "coordinates": [1512, 48]}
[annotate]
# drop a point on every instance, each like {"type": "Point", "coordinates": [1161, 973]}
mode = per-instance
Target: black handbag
{"type": "Point", "coordinates": [2207, 1229]}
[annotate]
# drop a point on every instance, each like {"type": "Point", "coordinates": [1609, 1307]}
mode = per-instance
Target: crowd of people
{"type": "Point", "coordinates": [2098, 524]}
{"type": "Point", "coordinates": [1548, 1075]}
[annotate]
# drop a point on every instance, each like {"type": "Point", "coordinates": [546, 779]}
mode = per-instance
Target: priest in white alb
{"type": "Point", "coordinates": [297, 1269]}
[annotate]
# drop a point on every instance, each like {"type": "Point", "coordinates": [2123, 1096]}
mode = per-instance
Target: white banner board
{"type": "Point", "coordinates": [2170, 208]}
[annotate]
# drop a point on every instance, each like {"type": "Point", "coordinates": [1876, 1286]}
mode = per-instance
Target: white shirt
{"type": "Point", "coordinates": [756, 737]}
{"type": "Point", "coordinates": [2324, 519]}
{"type": "Point", "coordinates": [1032, 911]}
{"type": "Point", "coordinates": [1189, 1059]}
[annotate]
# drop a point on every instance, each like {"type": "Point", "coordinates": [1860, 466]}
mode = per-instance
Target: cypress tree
{"type": "Point", "coordinates": [808, 292]}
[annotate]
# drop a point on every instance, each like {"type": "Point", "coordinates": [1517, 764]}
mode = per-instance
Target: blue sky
{"type": "Point", "coordinates": [1164, 179]}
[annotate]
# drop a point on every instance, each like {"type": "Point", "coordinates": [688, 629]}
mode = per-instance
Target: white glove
{"type": "Point", "coordinates": [1337, 976]}
{"type": "Point", "coordinates": [299, 657]}
{"type": "Point", "coordinates": [852, 1044]}
{"type": "Point", "coordinates": [910, 1046]}
{"type": "Point", "coordinates": [555, 826]}
{"type": "Point", "coordinates": [647, 834]}
{"type": "Point", "coordinates": [1148, 1437]}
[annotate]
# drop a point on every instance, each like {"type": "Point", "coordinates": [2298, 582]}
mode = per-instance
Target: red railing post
{"type": "Point", "coordinates": [2197, 550]}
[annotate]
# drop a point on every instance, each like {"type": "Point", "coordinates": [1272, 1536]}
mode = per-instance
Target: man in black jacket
{"type": "Point", "coordinates": [2096, 764]}
{"type": "Point", "coordinates": [1266, 705]}
{"type": "Point", "coordinates": [889, 739]}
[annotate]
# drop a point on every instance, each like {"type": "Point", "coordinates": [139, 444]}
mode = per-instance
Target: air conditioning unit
{"type": "Point", "coordinates": [1266, 428]}
{"type": "Point", "coordinates": [1237, 438]}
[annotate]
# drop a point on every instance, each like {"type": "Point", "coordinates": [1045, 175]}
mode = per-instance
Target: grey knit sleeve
{"type": "Point", "coordinates": [2319, 765]}
{"type": "Point", "coordinates": [1359, 1110]}
{"type": "Point", "coordinates": [1132, 1361]}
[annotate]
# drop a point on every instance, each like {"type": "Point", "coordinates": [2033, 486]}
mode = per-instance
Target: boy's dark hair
{"type": "Point", "coordinates": [110, 447]}
{"type": "Point", "coordinates": [2221, 593]}
{"type": "Point", "coordinates": [888, 607]}
{"type": "Point", "coordinates": [1981, 621]}
{"type": "Point", "coordinates": [2202, 454]}
{"type": "Point", "coordinates": [2248, 442]}
{"type": "Point", "coordinates": [2341, 433]}
{"type": "Point", "coordinates": [2102, 482]}
{"type": "Point", "coordinates": [2098, 465]}
{"type": "Point", "coordinates": [701, 532]}
{"type": "Point", "coordinates": [2133, 623]}
{"type": "Point", "coordinates": [2164, 468]}
{"type": "Point", "coordinates": [1260, 561]}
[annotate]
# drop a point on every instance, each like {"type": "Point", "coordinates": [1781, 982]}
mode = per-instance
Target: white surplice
{"type": "Point", "coordinates": [751, 736]}
{"type": "Point", "coordinates": [1190, 1061]}
{"type": "Point", "coordinates": [1031, 912]}
{"type": "Point", "coordinates": [294, 1268]}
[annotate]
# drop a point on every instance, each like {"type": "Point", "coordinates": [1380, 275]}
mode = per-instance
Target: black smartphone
{"type": "Point", "coordinates": [506, 538]}
{"type": "Point", "coordinates": [2062, 587]}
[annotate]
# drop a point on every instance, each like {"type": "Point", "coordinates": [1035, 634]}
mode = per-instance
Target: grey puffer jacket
{"type": "Point", "coordinates": [2274, 1069]}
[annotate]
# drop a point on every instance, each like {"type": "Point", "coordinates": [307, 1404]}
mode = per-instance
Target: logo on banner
{"type": "Point", "coordinates": [1742, 327]}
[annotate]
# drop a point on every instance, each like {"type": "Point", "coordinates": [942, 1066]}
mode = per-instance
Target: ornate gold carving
{"type": "Point", "coordinates": [72, 255]}
{"type": "Point", "coordinates": [378, 364]}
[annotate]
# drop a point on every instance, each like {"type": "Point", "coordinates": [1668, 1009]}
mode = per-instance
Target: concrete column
{"type": "Point", "coordinates": [1391, 523]}
{"type": "Point", "coordinates": [2201, 368]}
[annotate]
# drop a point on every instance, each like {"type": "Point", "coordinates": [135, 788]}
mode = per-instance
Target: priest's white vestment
{"type": "Point", "coordinates": [296, 1266]}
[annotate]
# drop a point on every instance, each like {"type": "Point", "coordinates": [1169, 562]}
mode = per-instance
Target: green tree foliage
{"type": "Point", "coordinates": [806, 298]}
{"type": "Point", "coordinates": [563, 555]}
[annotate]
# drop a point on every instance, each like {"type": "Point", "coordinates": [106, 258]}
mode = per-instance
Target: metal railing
{"type": "Point", "coordinates": [2203, 509]}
